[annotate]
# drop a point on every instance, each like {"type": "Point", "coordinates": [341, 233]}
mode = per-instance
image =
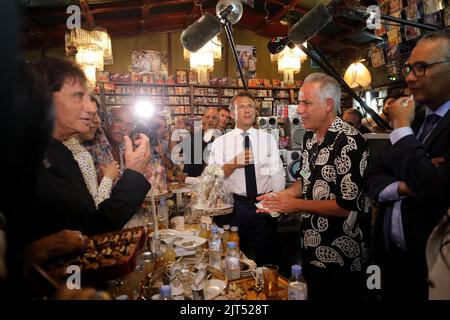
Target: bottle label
{"type": "Point", "coordinates": [296, 293]}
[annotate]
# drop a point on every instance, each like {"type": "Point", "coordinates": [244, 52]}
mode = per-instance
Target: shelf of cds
{"type": "Point", "coordinates": [190, 99]}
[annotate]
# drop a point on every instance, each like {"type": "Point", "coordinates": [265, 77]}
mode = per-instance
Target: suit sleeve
{"type": "Point", "coordinates": [125, 200]}
{"type": "Point", "coordinates": [409, 161]}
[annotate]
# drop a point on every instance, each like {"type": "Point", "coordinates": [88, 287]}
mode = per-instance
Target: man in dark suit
{"type": "Point", "coordinates": [62, 200]}
{"type": "Point", "coordinates": [409, 178]}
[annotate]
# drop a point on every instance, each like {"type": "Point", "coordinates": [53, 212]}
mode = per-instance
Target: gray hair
{"type": "Point", "coordinates": [443, 37]}
{"type": "Point", "coordinates": [329, 88]}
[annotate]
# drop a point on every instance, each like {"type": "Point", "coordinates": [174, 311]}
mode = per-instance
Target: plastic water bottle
{"type": "Point", "coordinates": [215, 248]}
{"type": "Point", "coordinates": [163, 214]}
{"type": "Point", "coordinates": [297, 288]}
{"type": "Point", "coordinates": [165, 292]}
{"type": "Point", "coordinates": [232, 263]}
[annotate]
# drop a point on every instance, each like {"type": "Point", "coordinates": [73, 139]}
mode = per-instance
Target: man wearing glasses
{"type": "Point", "coordinates": [411, 178]}
{"type": "Point", "coordinates": [328, 193]}
{"type": "Point", "coordinates": [119, 123]}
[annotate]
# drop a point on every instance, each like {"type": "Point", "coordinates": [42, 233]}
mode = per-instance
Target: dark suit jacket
{"type": "Point", "coordinates": [63, 201]}
{"type": "Point", "coordinates": [408, 160]}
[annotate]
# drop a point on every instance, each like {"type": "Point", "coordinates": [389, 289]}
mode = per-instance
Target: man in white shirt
{"type": "Point", "coordinates": [252, 166]}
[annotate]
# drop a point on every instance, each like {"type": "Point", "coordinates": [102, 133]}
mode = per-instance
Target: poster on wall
{"type": "Point", "coordinates": [247, 60]}
{"type": "Point", "coordinates": [431, 6]}
{"type": "Point", "coordinates": [148, 61]}
{"type": "Point", "coordinates": [411, 32]}
{"type": "Point", "coordinates": [377, 56]}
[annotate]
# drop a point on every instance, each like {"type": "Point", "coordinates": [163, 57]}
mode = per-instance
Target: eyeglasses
{"type": "Point", "coordinates": [419, 68]}
{"type": "Point", "coordinates": [122, 123]}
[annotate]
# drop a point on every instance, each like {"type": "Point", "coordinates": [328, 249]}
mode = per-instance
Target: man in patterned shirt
{"type": "Point", "coordinates": [328, 193]}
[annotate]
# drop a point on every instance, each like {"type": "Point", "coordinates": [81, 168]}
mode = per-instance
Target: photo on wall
{"type": "Point", "coordinates": [247, 60]}
{"type": "Point", "coordinates": [148, 61]}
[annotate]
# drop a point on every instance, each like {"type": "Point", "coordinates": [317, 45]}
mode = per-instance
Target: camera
{"type": "Point", "coordinates": [149, 130]}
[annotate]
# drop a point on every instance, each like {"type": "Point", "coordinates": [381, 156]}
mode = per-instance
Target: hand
{"type": "Point", "coordinates": [137, 159]}
{"type": "Point", "coordinates": [404, 190]}
{"type": "Point", "coordinates": [400, 115]}
{"type": "Point", "coordinates": [278, 202]}
{"type": "Point", "coordinates": [111, 170]}
{"type": "Point", "coordinates": [60, 243]}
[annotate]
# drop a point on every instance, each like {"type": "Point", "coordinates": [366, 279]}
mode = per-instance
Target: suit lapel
{"type": "Point", "coordinates": [441, 126]}
{"type": "Point", "coordinates": [418, 120]}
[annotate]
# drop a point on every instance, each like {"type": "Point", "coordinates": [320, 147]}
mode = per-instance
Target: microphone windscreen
{"type": "Point", "coordinates": [200, 32]}
{"type": "Point", "coordinates": [311, 23]}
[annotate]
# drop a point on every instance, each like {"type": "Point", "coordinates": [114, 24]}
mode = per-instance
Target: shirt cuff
{"type": "Point", "coordinates": [399, 133]}
{"type": "Point", "coordinates": [390, 193]}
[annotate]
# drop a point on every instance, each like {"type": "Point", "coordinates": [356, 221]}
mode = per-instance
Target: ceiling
{"type": "Point", "coordinates": [44, 21]}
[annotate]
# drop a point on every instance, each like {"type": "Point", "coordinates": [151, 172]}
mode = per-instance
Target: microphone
{"type": "Point", "coordinates": [306, 28]}
{"type": "Point", "coordinates": [312, 22]}
{"type": "Point", "coordinates": [200, 32]}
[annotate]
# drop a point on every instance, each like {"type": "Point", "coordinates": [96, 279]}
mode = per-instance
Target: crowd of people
{"type": "Point", "coordinates": [84, 171]}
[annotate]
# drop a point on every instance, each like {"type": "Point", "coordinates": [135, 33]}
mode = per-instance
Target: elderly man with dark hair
{"type": "Point", "coordinates": [62, 199]}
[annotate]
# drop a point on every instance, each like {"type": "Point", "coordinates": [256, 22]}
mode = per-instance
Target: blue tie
{"type": "Point", "coordinates": [428, 125]}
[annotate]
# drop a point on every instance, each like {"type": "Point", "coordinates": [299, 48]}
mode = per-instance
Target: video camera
{"type": "Point", "coordinates": [150, 130]}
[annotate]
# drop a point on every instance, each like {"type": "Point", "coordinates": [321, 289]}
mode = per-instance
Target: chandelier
{"type": "Point", "coordinates": [289, 62]}
{"type": "Point", "coordinates": [357, 76]}
{"type": "Point", "coordinates": [203, 60]}
{"type": "Point", "coordinates": [90, 48]}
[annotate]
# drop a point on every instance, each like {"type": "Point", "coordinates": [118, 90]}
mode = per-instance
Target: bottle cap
{"type": "Point", "coordinates": [226, 227]}
{"type": "Point", "coordinates": [234, 228]}
{"type": "Point", "coordinates": [165, 291]}
{"type": "Point", "coordinates": [231, 245]}
{"type": "Point", "coordinates": [214, 229]}
{"type": "Point", "coordinates": [296, 269]}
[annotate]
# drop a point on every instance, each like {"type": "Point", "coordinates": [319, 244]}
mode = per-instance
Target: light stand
{"type": "Point", "coordinates": [231, 8]}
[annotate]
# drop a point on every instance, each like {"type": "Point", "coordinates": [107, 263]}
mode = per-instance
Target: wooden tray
{"type": "Point", "coordinates": [102, 259]}
{"type": "Point", "coordinates": [248, 283]}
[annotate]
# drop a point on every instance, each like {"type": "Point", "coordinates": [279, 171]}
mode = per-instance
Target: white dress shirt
{"type": "Point", "coordinates": [270, 174]}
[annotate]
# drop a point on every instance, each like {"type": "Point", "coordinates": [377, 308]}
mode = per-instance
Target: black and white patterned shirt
{"type": "Point", "coordinates": [334, 170]}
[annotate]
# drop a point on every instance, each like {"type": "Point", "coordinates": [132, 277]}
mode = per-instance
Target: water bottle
{"type": "Point", "coordinates": [163, 214]}
{"type": "Point", "coordinates": [297, 288]}
{"type": "Point", "coordinates": [234, 236]}
{"type": "Point", "coordinates": [165, 292]}
{"type": "Point", "coordinates": [215, 248]}
{"type": "Point", "coordinates": [232, 262]}
{"type": "Point", "coordinates": [225, 236]}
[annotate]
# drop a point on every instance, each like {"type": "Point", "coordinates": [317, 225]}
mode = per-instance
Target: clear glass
{"type": "Point", "coordinates": [270, 275]}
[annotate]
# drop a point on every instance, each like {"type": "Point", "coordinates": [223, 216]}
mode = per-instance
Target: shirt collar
{"type": "Point", "coordinates": [441, 111]}
{"type": "Point", "coordinates": [250, 131]}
